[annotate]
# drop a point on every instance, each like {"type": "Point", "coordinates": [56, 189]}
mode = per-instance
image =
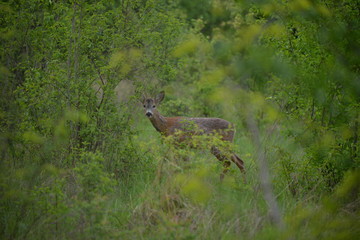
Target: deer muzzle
{"type": "Point", "coordinates": [148, 114]}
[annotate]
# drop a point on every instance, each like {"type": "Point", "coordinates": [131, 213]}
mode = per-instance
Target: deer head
{"type": "Point", "coordinates": [150, 104]}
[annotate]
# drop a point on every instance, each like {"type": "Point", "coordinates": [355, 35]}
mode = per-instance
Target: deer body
{"type": "Point", "coordinates": [169, 126]}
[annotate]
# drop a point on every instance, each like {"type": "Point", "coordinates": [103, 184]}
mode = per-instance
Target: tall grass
{"type": "Point", "coordinates": [186, 200]}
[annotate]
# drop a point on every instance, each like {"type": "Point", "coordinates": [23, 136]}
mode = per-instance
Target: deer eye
{"type": "Point", "coordinates": [144, 106]}
{"type": "Point", "coordinates": [153, 106]}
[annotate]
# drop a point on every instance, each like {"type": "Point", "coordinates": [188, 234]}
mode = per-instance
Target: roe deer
{"type": "Point", "coordinates": [168, 126]}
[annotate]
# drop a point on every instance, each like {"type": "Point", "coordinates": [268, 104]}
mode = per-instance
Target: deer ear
{"type": "Point", "coordinates": [160, 97]}
{"type": "Point", "coordinates": [142, 98]}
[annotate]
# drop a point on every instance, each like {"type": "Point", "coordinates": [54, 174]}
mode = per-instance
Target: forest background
{"type": "Point", "coordinates": [79, 160]}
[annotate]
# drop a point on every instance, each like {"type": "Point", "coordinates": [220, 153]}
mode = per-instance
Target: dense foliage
{"type": "Point", "coordinates": [79, 160]}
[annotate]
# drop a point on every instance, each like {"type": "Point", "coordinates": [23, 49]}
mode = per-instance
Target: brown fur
{"type": "Point", "coordinates": [168, 126]}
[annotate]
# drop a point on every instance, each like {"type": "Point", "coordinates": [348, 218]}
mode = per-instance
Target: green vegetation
{"type": "Point", "coordinates": [79, 160]}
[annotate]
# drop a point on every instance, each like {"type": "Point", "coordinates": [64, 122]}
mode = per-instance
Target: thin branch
{"type": "Point", "coordinates": [264, 174]}
{"type": "Point", "coordinates": [102, 82]}
{"type": "Point", "coordinates": [97, 70]}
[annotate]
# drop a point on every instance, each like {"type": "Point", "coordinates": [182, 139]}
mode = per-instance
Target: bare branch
{"type": "Point", "coordinates": [264, 174]}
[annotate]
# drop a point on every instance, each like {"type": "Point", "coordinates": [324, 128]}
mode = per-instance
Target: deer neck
{"type": "Point", "coordinates": [159, 122]}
